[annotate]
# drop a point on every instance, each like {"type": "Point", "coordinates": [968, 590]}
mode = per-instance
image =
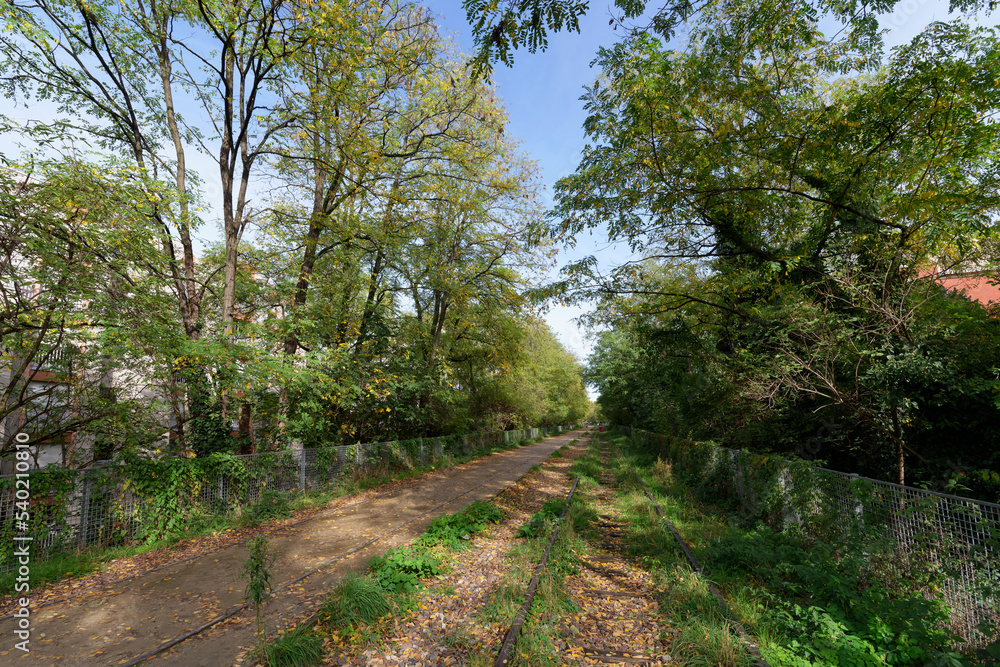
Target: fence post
{"type": "Point", "coordinates": [302, 469]}
{"type": "Point", "coordinates": [84, 511]}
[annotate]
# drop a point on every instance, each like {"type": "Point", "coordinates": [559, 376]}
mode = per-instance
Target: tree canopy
{"type": "Point", "coordinates": [790, 206]}
{"type": "Point", "coordinates": [379, 231]}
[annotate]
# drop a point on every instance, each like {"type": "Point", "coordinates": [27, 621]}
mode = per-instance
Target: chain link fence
{"type": "Point", "coordinates": [108, 505]}
{"type": "Point", "coordinates": [944, 546]}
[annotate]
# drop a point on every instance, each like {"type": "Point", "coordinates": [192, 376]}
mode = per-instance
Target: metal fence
{"type": "Point", "coordinates": [61, 510]}
{"type": "Point", "coordinates": [944, 546]}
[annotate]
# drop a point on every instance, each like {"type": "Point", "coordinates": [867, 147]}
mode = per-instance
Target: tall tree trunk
{"type": "Point", "coordinates": [188, 294]}
{"type": "Point", "coordinates": [371, 301]}
{"type": "Point", "coordinates": [898, 437]}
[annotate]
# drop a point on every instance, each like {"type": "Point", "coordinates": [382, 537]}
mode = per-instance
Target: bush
{"type": "Point", "coordinates": [401, 569]}
{"type": "Point", "coordinates": [454, 530]}
{"type": "Point", "coordinates": [272, 506]}
{"type": "Point", "coordinates": [542, 520]}
{"type": "Point", "coordinates": [826, 607]}
{"type": "Point", "coordinates": [298, 648]}
{"type": "Point", "coordinates": [353, 601]}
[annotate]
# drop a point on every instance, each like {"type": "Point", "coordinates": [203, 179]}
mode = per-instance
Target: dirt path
{"type": "Point", "coordinates": [124, 621]}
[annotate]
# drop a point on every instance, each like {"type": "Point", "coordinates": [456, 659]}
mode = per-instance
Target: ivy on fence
{"type": "Point", "coordinates": [912, 541]}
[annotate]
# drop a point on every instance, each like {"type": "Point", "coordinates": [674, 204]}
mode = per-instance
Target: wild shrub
{"type": "Point", "coordinates": [401, 569]}
{"type": "Point", "coordinates": [298, 648]}
{"type": "Point", "coordinates": [542, 520]}
{"type": "Point", "coordinates": [454, 530]}
{"type": "Point", "coordinates": [272, 506]}
{"type": "Point", "coordinates": [828, 610]}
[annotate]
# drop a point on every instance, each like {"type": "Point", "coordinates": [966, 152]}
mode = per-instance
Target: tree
{"type": "Point", "coordinates": [414, 202]}
{"type": "Point", "coordinates": [397, 222]}
{"type": "Point", "coordinates": [789, 211]}
{"type": "Point", "coordinates": [75, 311]}
{"type": "Point", "coordinates": [499, 28]}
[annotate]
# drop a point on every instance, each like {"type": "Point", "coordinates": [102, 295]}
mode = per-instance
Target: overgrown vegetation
{"type": "Point", "coordinates": [808, 601]}
{"type": "Point", "coordinates": [551, 601]}
{"type": "Point", "coordinates": [786, 292]}
{"type": "Point", "coordinates": [358, 606]}
{"type": "Point", "coordinates": [298, 648]}
{"type": "Point", "coordinates": [355, 600]}
{"type": "Point", "coordinates": [401, 569]}
{"type": "Point", "coordinates": [452, 531]}
{"type": "Point", "coordinates": [297, 340]}
{"type": "Point", "coordinates": [272, 506]}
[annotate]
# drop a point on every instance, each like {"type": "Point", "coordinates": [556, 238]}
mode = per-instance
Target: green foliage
{"type": "Point", "coordinates": [256, 571]}
{"type": "Point", "coordinates": [784, 298]}
{"type": "Point", "coordinates": [989, 656]}
{"type": "Point", "coordinates": [454, 530]}
{"type": "Point", "coordinates": [298, 648]}
{"type": "Point", "coordinates": [168, 488]}
{"type": "Point", "coordinates": [821, 597]}
{"type": "Point", "coordinates": [272, 506]}
{"type": "Point", "coordinates": [210, 434]}
{"type": "Point", "coordinates": [825, 604]}
{"type": "Point", "coordinates": [58, 270]}
{"type": "Point", "coordinates": [354, 601]}
{"type": "Point", "coordinates": [500, 29]}
{"type": "Point", "coordinates": [401, 569]}
{"type": "Point", "coordinates": [544, 387]}
{"type": "Point", "coordinates": [160, 500]}
{"type": "Point", "coordinates": [541, 522]}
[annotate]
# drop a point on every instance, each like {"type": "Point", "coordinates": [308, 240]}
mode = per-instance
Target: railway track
{"type": "Point", "coordinates": [123, 580]}
{"type": "Point", "coordinates": [610, 578]}
{"type": "Point", "coordinates": [755, 655]}
{"type": "Point", "coordinates": [601, 567]}
{"type": "Point", "coordinates": [612, 595]}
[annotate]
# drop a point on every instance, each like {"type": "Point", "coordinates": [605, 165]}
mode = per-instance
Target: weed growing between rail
{"type": "Point", "coordinates": [806, 602]}
{"type": "Point", "coordinates": [551, 601]}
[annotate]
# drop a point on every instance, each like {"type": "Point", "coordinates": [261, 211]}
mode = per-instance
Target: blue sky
{"type": "Point", "coordinates": [541, 92]}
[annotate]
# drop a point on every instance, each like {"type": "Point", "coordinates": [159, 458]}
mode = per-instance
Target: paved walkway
{"type": "Point", "coordinates": [120, 623]}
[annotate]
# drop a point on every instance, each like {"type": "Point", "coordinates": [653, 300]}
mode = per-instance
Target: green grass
{"type": "Point", "coordinates": [805, 602]}
{"type": "Point", "coordinates": [354, 601]}
{"type": "Point", "coordinates": [298, 648]}
{"type": "Point", "coordinates": [271, 506]}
